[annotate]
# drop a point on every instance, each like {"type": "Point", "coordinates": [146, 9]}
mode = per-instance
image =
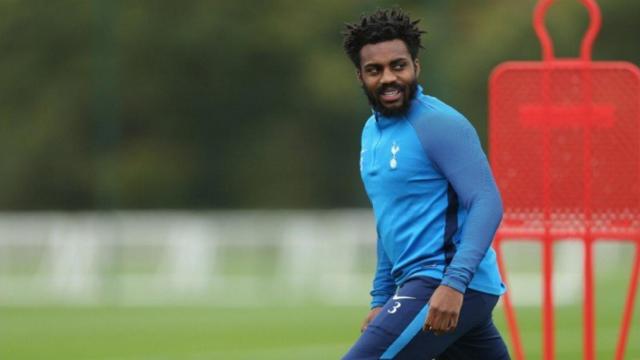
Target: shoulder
{"type": "Point", "coordinates": [369, 124]}
{"type": "Point", "coordinates": [370, 121]}
{"type": "Point", "coordinates": [435, 114]}
{"type": "Point", "coordinates": [368, 127]}
{"type": "Point", "coordinates": [436, 122]}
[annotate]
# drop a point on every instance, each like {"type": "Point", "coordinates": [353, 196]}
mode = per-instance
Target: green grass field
{"type": "Point", "coordinates": [299, 332]}
{"type": "Point", "coordinates": [237, 333]}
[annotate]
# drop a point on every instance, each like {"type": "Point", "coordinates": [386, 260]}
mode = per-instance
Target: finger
{"type": "Point", "coordinates": [454, 322]}
{"type": "Point", "coordinates": [441, 323]}
{"type": "Point", "coordinates": [451, 327]}
{"type": "Point", "coordinates": [437, 327]}
{"type": "Point", "coordinates": [364, 325]}
{"type": "Point", "coordinates": [426, 326]}
{"type": "Point", "coordinates": [428, 323]}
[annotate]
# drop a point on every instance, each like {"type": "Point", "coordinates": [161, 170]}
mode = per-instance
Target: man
{"type": "Point", "coordinates": [436, 205]}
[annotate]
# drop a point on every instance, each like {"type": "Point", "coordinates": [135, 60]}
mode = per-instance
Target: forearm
{"type": "Point", "coordinates": [483, 219]}
{"type": "Point", "coordinates": [383, 284]}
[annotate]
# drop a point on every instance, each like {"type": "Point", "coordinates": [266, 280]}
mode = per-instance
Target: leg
{"type": "Point", "coordinates": [397, 332]}
{"type": "Point", "coordinates": [481, 342]}
{"type": "Point", "coordinates": [398, 322]}
{"type": "Point", "coordinates": [476, 311]}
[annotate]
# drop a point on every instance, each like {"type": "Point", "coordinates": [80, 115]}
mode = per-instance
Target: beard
{"type": "Point", "coordinates": [408, 93]}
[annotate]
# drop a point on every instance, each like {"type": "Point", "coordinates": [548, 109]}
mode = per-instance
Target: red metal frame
{"type": "Point", "coordinates": [547, 234]}
{"type": "Point", "coordinates": [548, 309]}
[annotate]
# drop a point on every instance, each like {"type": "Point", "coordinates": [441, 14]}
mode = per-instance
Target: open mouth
{"type": "Point", "coordinates": [391, 94]}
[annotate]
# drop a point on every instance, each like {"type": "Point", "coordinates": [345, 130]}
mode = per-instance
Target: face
{"type": "Point", "coordinates": [389, 76]}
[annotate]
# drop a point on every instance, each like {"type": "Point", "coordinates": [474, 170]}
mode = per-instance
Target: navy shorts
{"type": "Point", "coordinates": [396, 333]}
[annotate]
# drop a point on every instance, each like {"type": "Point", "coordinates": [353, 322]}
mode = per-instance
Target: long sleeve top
{"type": "Point", "coordinates": [434, 198]}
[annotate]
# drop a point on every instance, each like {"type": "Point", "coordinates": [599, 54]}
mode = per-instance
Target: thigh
{"type": "Point", "coordinates": [397, 324]}
{"type": "Point", "coordinates": [481, 342]}
{"type": "Point", "coordinates": [425, 345]}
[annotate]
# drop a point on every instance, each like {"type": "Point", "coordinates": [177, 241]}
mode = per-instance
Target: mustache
{"type": "Point", "coordinates": [386, 87]}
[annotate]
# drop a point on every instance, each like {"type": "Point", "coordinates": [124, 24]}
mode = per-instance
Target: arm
{"type": "Point", "coordinates": [466, 167]}
{"type": "Point", "coordinates": [454, 147]}
{"type": "Point", "coordinates": [383, 286]}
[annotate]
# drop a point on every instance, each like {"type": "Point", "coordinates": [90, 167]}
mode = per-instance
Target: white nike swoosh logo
{"type": "Point", "coordinates": [396, 297]}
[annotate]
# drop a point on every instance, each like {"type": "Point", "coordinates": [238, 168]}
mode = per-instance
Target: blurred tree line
{"type": "Point", "coordinates": [232, 104]}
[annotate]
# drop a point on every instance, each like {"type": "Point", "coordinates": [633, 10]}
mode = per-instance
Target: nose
{"type": "Point", "coordinates": [388, 77]}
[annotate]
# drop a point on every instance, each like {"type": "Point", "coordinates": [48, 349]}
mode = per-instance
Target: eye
{"type": "Point", "coordinates": [399, 66]}
{"type": "Point", "coordinates": [372, 71]}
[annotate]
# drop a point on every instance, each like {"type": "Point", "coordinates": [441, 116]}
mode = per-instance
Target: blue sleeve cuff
{"type": "Point", "coordinates": [454, 283]}
{"type": "Point", "coordinates": [379, 300]}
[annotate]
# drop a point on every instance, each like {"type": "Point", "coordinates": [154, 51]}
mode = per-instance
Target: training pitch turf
{"type": "Point", "coordinates": [189, 333]}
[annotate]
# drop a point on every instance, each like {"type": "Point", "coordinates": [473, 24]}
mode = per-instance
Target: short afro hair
{"type": "Point", "coordinates": [382, 25]}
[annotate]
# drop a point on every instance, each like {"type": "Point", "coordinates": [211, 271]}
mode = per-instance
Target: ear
{"type": "Point", "coordinates": [416, 64]}
{"type": "Point", "coordinates": [359, 76]}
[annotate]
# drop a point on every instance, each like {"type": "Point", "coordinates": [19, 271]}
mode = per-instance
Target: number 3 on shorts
{"type": "Point", "coordinates": [396, 306]}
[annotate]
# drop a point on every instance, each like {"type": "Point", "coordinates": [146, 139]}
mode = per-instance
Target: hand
{"type": "Point", "coordinates": [372, 315]}
{"type": "Point", "coordinates": [444, 310]}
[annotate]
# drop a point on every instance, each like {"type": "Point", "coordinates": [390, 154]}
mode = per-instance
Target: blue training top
{"type": "Point", "coordinates": [435, 201]}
